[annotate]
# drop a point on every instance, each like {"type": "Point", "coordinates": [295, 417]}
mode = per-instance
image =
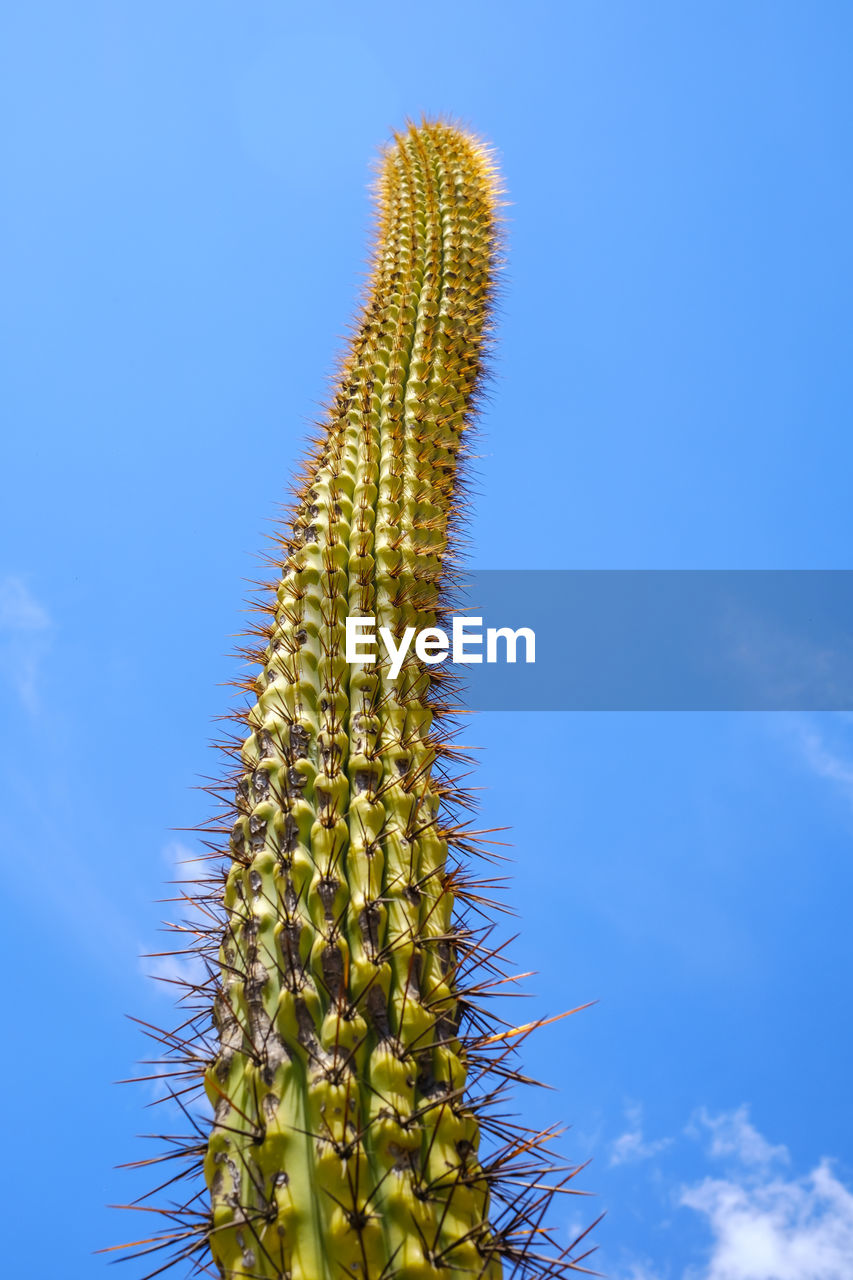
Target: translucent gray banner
{"type": "Point", "coordinates": [661, 640]}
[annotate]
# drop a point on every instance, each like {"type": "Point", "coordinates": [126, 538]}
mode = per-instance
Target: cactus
{"type": "Point", "coordinates": [350, 1070]}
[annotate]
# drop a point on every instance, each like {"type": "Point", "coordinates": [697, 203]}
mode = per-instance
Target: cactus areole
{"type": "Point", "coordinates": [355, 1082]}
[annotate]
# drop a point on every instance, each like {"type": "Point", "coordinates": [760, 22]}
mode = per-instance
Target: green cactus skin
{"type": "Point", "coordinates": [346, 1132]}
{"type": "Point", "coordinates": [338, 1048]}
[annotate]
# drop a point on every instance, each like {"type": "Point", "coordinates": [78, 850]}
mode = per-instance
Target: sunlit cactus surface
{"type": "Point", "coordinates": [357, 1083]}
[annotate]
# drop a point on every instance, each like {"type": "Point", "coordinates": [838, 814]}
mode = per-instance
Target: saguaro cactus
{"type": "Point", "coordinates": [349, 1069]}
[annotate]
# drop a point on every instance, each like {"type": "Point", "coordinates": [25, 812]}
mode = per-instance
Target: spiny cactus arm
{"type": "Point", "coordinates": [341, 1141]}
{"type": "Point", "coordinates": [346, 1130]}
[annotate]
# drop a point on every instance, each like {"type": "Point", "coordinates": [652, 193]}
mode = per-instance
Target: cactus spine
{"type": "Point", "coordinates": [346, 1131]}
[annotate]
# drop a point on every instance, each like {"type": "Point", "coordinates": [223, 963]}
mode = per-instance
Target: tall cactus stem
{"type": "Point", "coordinates": [354, 1079]}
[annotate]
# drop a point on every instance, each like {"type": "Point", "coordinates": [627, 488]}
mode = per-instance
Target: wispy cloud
{"type": "Point", "coordinates": [765, 1225]}
{"type": "Point", "coordinates": [173, 967]}
{"type": "Point", "coordinates": [636, 1269]}
{"type": "Point", "coordinates": [19, 609]}
{"type": "Point", "coordinates": [25, 627]}
{"type": "Point", "coordinates": [826, 754]}
{"type": "Point", "coordinates": [826, 762]}
{"type": "Point", "coordinates": [733, 1134]}
{"type": "Point", "coordinates": [632, 1146]}
{"type": "Point", "coordinates": [180, 968]}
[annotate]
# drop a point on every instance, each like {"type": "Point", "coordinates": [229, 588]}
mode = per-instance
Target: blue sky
{"type": "Point", "coordinates": [184, 228]}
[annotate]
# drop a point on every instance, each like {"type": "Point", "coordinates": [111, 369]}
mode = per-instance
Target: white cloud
{"type": "Point", "coordinates": [639, 1271]}
{"type": "Point", "coordinates": [24, 636]}
{"type": "Point", "coordinates": [764, 1225]}
{"type": "Point", "coordinates": [182, 862]}
{"type": "Point", "coordinates": [733, 1134]}
{"type": "Point", "coordinates": [826, 762]}
{"type": "Point", "coordinates": [632, 1146]}
{"type": "Point", "coordinates": [173, 968]}
{"type": "Point", "coordinates": [184, 865]}
{"type": "Point", "coordinates": [776, 1229]}
{"type": "Point", "coordinates": [826, 754]}
{"type": "Point", "coordinates": [19, 609]}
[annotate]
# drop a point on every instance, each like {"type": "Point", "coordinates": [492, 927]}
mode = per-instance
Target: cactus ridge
{"type": "Point", "coordinates": [356, 1078]}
